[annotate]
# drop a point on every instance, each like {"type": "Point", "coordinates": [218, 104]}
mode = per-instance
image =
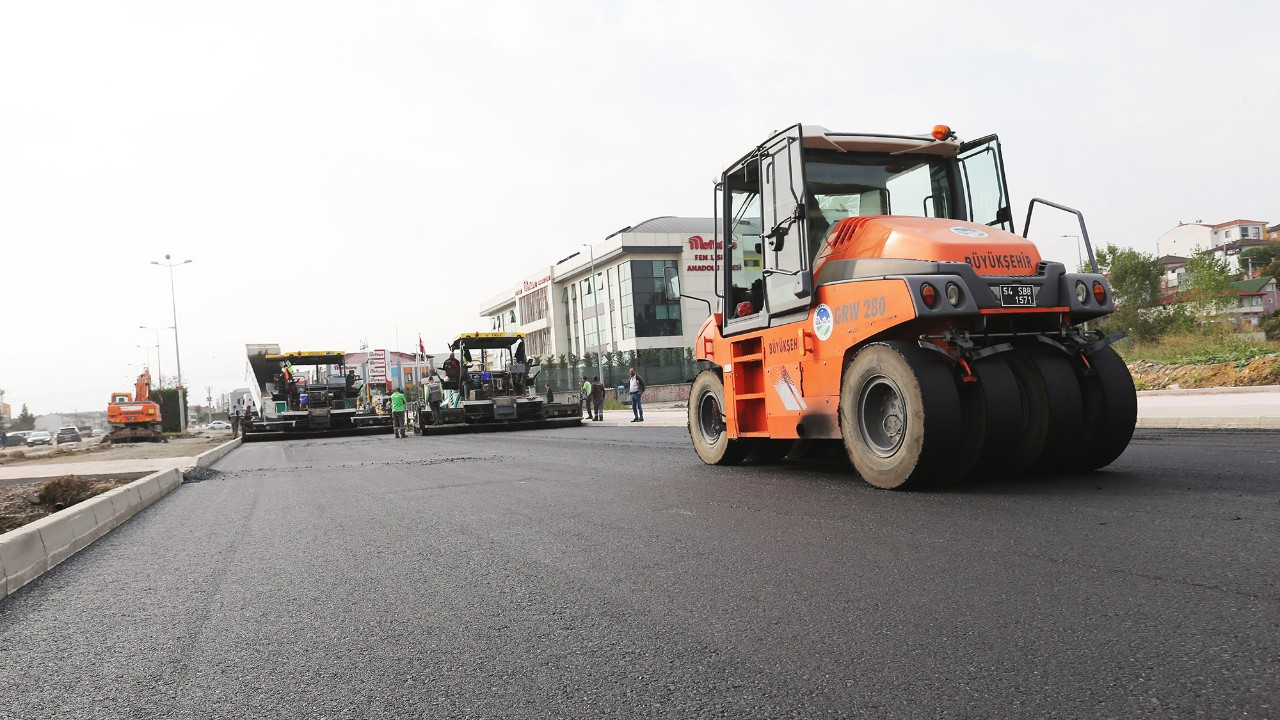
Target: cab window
{"type": "Point", "coordinates": [746, 271]}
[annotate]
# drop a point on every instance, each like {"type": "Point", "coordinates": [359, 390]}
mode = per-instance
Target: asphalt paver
{"type": "Point", "coordinates": [605, 572]}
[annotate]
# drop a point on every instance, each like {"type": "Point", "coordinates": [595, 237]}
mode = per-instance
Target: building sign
{"type": "Point", "coordinates": [377, 366]}
{"type": "Point", "coordinates": [704, 255]}
{"type": "Point", "coordinates": [528, 285]}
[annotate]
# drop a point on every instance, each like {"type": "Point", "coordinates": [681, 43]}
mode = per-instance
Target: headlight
{"type": "Point", "coordinates": [1082, 293]}
{"type": "Point", "coordinates": [953, 294]}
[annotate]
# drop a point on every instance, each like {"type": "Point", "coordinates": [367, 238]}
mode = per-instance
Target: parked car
{"type": "Point", "coordinates": [39, 437]}
{"type": "Point", "coordinates": [16, 438]}
{"type": "Point", "coordinates": [66, 434]}
{"type": "Point", "coordinates": [219, 425]}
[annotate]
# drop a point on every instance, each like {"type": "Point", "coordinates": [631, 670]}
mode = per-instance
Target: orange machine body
{"type": "Point", "coordinates": [783, 382]}
{"type": "Point", "coordinates": [134, 409]}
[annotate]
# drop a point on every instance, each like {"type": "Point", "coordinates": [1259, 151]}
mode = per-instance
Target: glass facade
{"type": "Point", "coordinates": [533, 306]}
{"type": "Point", "coordinates": [646, 312]}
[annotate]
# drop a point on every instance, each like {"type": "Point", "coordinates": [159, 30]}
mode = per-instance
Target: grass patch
{"type": "Point", "coordinates": [1195, 349]}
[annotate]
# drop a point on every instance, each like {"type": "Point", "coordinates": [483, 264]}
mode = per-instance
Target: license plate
{"type": "Point", "coordinates": [1017, 296]}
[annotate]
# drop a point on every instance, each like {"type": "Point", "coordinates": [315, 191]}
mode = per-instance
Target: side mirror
{"type": "Point", "coordinates": [672, 277]}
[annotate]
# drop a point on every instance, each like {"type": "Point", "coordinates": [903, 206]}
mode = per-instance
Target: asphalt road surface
{"type": "Point", "coordinates": [605, 572]}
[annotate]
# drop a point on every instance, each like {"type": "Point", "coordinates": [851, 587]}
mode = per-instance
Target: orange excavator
{"type": "Point", "coordinates": [134, 418]}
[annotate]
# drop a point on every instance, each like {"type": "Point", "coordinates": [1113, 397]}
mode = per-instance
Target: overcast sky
{"type": "Point", "coordinates": [347, 172]}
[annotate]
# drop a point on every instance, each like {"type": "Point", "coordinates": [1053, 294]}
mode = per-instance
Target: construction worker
{"type": "Point", "coordinates": [397, 412]}
{"type": "Point", "coordinates": [584, 396]}
{"type": "Point", "coordinates": [235, 421]}
{"type": "Point", "coordinates": [435, 394]}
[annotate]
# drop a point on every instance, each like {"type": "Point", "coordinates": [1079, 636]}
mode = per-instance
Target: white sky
{"type": "Point", "coordinates": [413, 159]}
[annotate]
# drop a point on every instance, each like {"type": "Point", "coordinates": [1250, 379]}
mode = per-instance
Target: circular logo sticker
{"type": "Point", "coordinates": [969, 232]}
{"type": "Point", "coordinates": [822, 322]}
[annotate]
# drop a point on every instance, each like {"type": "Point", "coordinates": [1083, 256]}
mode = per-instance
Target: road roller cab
{"type": "Point", "coordinates": [872, 291]}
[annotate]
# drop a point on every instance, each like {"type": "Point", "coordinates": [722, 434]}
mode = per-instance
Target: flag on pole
{"type": "Point", "coordinates": [422, 350]}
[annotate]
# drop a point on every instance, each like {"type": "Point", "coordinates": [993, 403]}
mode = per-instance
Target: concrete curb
{"type": "Point", "coordinates": [1209, 423]}
{"type": "Point", "coordinates": [209, 457]}
{"type": "Point", "coordinates": [33, 549]}
{"type": "Point", "coordinates": [1210, 391]}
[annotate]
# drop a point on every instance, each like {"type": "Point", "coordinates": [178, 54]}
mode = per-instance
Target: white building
{"type": "Point", "coordinates": [1226, 240]}
{"type": "Point", "coordinates": [1185, 240]}
{"type": "Point", "coordinates": [563, 311]}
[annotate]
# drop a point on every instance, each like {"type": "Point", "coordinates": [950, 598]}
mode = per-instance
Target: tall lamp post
{"type": "Point", "coordinates": [177, 352]}
{"type": "Point", "coordinates": [148, 349]}
{"type": "Point", "coordinates": [159, 372]}
{"type": "Point", "coordinates": [591, 253]}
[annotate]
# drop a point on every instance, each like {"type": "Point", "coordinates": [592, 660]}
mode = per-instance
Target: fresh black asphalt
{"type": "Point", "coordinates": [605, 572]}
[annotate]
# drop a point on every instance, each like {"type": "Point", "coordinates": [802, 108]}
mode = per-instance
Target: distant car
{"type": "Point", "coordinates": [219, 425]}
{"type": "Point", "coordinates": [16, 438]}
{"type": "Point", "coordinates": [39, 437]}
{"type": "Point", "coordinates": [65, 435]}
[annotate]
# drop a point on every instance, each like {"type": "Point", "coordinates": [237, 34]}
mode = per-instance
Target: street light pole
{"type": "Point", "coordinates": [148, 349]}
{"type": "Point", "coordinates": [177, 352]}
{"type": "Point", "coordinates": [159, 371]}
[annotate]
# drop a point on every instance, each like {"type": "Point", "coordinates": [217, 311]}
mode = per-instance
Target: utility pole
{"type": "Point", "coordinates": [173, 300]}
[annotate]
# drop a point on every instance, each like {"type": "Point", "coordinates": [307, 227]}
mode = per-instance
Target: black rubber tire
{"type": "Point", "coordinates": [769, 452]}
{"type": "Point", "coordinates": [706, 424]}
{"type": "Point", "coordinates": [996, 422]}
{"type": "Point", "coordinates": [1110, 410]}
{"type": "Point", "coordinates": [1054, 405]}
{"type": "Point", "coordinates": [908, 400]}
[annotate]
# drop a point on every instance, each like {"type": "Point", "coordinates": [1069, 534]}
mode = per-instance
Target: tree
{"type": "Point", "coordinates": [1135, 276]}
{"type": "Point", "coordinates": [1135, 285]}
{"type": "Point", "coordinates": [1208, 282]}
{"type": "Point", "coordinates": [25, 421]}
{"type": "Point", "coordinates": [1262, 257]}
{"type": "Point", "coordinates": [1270, 325]}
{"type": "Point", "coordinates": [1271, 269]}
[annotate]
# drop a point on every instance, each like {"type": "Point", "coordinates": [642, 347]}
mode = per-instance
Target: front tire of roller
{"type": "Point", "coordinates": [706, 423]}
{"type": "Point", "coordinates": [900, 416]}
{"type": "Point", "coordinates": [1110, 410]}
{"type": "Point", "coordinates": [1054, 405]}
{"type": "Point", "coordinates": [997, 421]}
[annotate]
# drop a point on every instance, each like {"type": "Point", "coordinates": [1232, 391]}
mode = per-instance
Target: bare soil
{"type": "Point", "coordinates": [1258, 371]}
{"type": "Point", "coordinates": [18, 498]}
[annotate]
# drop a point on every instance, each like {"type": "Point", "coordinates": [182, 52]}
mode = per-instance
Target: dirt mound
{"type": "Point", "coordinates": [1259, 371]}
{"type": "Point", "coordinates": [26, 502]}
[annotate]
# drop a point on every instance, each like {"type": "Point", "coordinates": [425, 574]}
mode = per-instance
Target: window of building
{"type": "Point", "coordinates": [653, 315]}
{"type": "Point", "coordinates": [626, 301]}
{"type": "Point", "coordinates": [538, 343]}
{"type": "Point", "coordinates": [533, 305]}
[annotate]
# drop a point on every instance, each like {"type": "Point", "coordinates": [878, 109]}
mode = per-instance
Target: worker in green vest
{"type": "Point", "coordinates": [397, 412]}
